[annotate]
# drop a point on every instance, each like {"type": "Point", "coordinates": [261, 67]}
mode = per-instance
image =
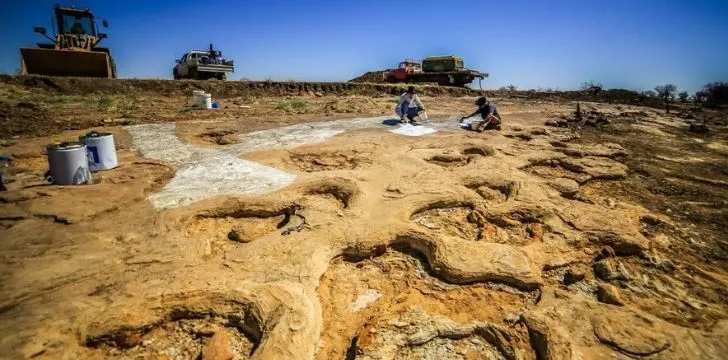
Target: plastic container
{"type": "Point", "coordinates": [101, 150]}
{"type": "Point", "coordinates": [197, 97]}
{"type": "Point", "coordinates": [68, 163]}
{"type": "Point", "coordinates": [206, 102]}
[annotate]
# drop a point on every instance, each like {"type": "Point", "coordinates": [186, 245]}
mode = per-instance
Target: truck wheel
{"type": "Point", "coordinates": [175, 74]}
{"type": "Point", "coordinates": [193, 74]}
{"type": "Point", "coordinates": [392, 79]}
{"type": "Point", "coordinates": [221, 76]}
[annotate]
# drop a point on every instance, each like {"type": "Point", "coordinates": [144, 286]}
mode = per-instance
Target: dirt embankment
{"type": "Point", "coordinates": [362, 86]}
{"type": "Point", "coordinates": [224, 89]}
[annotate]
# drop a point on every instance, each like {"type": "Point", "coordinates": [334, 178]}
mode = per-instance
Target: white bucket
{"type": "Point", "coordinates": [68, 163]}
{"type": "Point", "coordinates": [101, 151]}
{"type": "Point", "coordinates": [206, 102]}
{"type": "Point", "coordinates": [197, 97]}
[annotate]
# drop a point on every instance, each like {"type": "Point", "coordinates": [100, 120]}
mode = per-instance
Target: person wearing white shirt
{"type": "Point", "coordinates": [409, 105]}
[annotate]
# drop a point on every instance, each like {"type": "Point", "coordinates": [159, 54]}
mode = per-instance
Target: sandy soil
{"type": "Point", "coordinates": [580, 241]}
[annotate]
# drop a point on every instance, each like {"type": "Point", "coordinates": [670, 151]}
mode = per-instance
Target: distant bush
{"type": "Point", "coordinates": [666, 93]}
{"type": "Point", "coordinates": [683, 96]}
{"type": "Point", "coordinates": [713, 94]}
{"type": "Point", "coordinates": [592, 87]}
{"type": "Point", "coordinates": [508, 88]}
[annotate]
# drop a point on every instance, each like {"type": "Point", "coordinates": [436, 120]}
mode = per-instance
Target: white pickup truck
{"type": "Point", "coordinates": [202, 65]}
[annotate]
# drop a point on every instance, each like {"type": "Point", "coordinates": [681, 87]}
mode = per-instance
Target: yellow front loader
{"type": "Point", "coordinates": [74, 50]}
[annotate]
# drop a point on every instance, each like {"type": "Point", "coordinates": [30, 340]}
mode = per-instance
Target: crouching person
{"type": "Point", "coordinates": [409, 105]}
{"type": "Point", "coordinates": [488, 112]}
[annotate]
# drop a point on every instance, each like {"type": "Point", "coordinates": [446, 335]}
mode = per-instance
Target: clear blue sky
{"type": "Point", "coordinates": [632, 44]}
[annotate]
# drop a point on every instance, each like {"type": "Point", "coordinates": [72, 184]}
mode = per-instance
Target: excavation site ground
{"type": "Point", "coordinates": [308, 223]}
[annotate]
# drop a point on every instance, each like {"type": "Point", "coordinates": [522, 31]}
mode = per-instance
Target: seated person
{"type": "Point", "coordinates": [409, 105]}
{"type": "Point", "coordinates": [488, 113]}
{"type": "Point", "coordinates": [77, 29]}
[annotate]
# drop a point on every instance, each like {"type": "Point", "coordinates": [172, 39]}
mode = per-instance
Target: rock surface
{"type": "Point", "coordinates": [566, 187]}
{"type": "Point", "coordinates": [609, 294]}
{"type": "Point", "coordinates": [218, 348]}
{"type": "Point", "coordinates": [448, 245]}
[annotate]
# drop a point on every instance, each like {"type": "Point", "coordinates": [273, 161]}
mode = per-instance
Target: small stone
{"type": "Point", "coordinates": [604, 253]}
{"type": "Point", "coordinates": [218, 348]}
{"type": "Point", "coordinates": [573, 275]}
{"type": "Point", "coordinates": [551, 123]}
{"type": "Point", "coordinates": [318, 94]}
{"type": "Point", "coordinates": [609, 294]}
{"type": "Point", "coordinates": [205, 331]}
{"type": "Point", "coordinates": [538, 131]}
{"type": "Point", "coordinates": [610, 203]}
{"type": "Point", "coordinates": [63, 220]}
{"type": "Point", "coordinates": [237, 233]}
{"type": "Point", "coordinates": [512, 319]}
{"type": "Point", "coordinates": [666, 266]}
{"type": "Point", "coordinates": [623, 274]}
{"type": "Point", "coordinates": [604, 270]}
{"type": "Point", "coordinates": [698, 128]}
{"type": "Point", "coordinates": [566, 187]}
{"type": "Point", "coordinates": [228, 140]}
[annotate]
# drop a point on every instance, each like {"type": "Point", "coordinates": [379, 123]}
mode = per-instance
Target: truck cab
{"type": "Point", "coordinates": [405, 68]}
{"type": "Point", "coordinates": [202, 64]}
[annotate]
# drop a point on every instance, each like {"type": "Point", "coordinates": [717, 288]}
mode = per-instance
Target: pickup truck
{"type": "Point", "coordinates": [202, 65]}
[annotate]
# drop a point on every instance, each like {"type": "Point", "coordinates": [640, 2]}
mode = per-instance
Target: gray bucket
{"type": "Point", "coordinates": [68, 163]}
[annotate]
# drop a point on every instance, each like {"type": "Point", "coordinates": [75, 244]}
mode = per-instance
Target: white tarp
{"type": "Point", "coordinates": [413, 130]}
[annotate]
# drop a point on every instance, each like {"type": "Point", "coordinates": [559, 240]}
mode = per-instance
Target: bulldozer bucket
{"type": "Point", "coordinates": [59, 62]}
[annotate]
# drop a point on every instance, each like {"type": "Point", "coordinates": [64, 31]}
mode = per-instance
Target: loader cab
{"type": "Point", "coordinates": [72, 49]}
{"type": "Point", "coordinates": [72, 21]}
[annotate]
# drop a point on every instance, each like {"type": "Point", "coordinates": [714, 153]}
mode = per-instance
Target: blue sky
{"type": "Point", "coordinates": [559, 44]}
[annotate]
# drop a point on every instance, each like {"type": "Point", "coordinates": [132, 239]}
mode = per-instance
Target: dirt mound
{"type": "Point", "coordinates": [370, 77]}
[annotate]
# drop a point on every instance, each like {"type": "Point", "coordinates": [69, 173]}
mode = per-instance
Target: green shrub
{"type": "Point", "coordinates": [296, 105]}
